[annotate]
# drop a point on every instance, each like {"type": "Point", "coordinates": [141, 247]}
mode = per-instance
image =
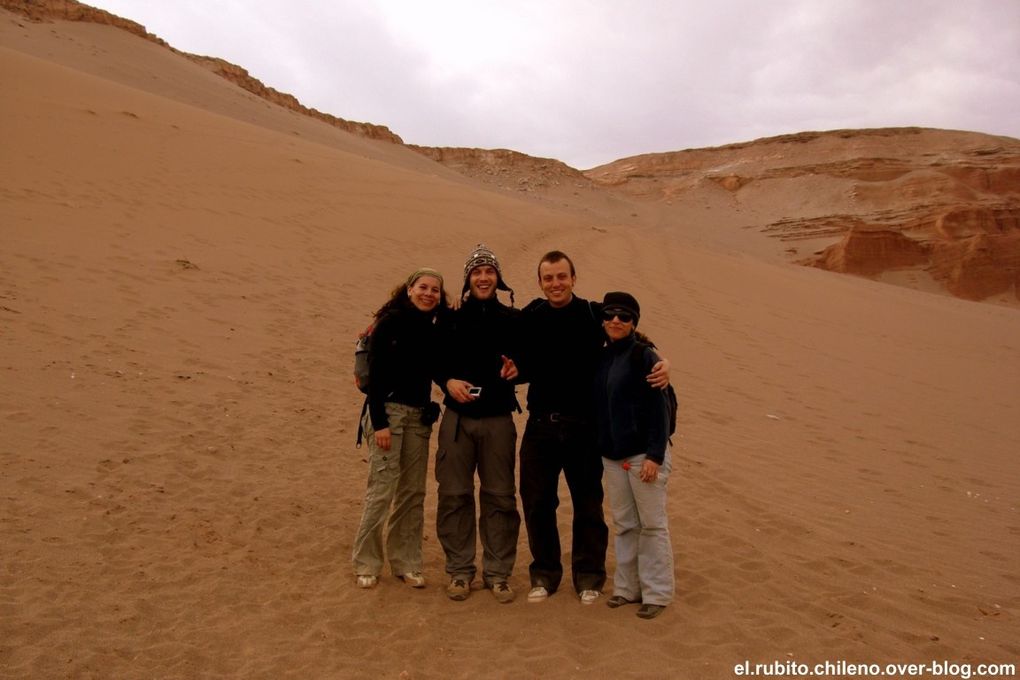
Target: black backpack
{"type": "Point", "coordinates": [637, 357]}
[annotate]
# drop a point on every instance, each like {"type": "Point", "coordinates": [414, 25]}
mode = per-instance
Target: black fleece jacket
{"type": "Point", "coordinates": [562, 349]}
{"type": "Point", "coordinates": [632, 415]}
{"type": "Point", "coordinates": [402, 362]}
{"type": "Point", "coordinates": [472, 341]}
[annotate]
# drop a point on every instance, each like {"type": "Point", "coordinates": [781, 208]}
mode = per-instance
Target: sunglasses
{"type": "Point", "coordinates": [624, 317]}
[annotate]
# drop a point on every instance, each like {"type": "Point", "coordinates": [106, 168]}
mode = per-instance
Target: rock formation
{"type": "Point", "coordinates": [942, 201]}
{"type": "Point", "coordinates": [242, 78]}
{"type": "Point", "coordinates": [70, 10]}
{"type": "Point", "coordinates": [872, 251]}
{"type": "Point", "coordinates": [505, 168]}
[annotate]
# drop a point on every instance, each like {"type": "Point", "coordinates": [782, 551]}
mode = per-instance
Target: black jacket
{"type": "Point", "coordinates": [472, 341]}
{"type": "Point", "coordinates": [402, 361]}
{"type": "Point", "coordinates": [562, 349]}
{"type": "Point", "coordinates": [632, 416]}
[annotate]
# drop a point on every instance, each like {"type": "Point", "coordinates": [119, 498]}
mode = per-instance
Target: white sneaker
{"type": "Point", "coordinates": [367, 581]}
{"type": "Point", "coordinates": [413, 579]}
{"type": "Point", "coordinates": [537, 594]}
{"type": "Point", "coordinates": [589, 596]}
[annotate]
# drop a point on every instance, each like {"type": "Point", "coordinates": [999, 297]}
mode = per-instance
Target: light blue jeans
{"type": "Point", "coordinates": [644, 554]}
{"type": "Point", "coordinates": [395, 478]}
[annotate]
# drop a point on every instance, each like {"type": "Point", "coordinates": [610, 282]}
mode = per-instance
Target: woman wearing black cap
{"type": "Point", "coordinates": [633, 434]}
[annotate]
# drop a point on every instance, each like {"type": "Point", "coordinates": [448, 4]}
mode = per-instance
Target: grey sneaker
{"type": "Point", "coordinates": [459, 589]}
{"type": "Point", "coordinates": [502, 591]}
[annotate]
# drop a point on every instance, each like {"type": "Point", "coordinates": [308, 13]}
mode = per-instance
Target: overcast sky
{"type": "Point", "coordinates": [591, 81]}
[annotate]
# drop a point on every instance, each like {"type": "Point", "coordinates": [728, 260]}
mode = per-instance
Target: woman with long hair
{"type": "Point", "coordinates": [398, 424]}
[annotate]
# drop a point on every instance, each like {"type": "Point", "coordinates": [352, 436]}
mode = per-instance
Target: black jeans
{"type": "Point", "coordinates": [549, 447]}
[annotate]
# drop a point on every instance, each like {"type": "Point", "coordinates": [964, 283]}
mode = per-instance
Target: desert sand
{"type": "Point", "coordinates": [184, 267]}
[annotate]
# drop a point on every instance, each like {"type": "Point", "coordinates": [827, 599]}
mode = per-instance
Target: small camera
{"type": "Point", "coordinates": [475, 391]}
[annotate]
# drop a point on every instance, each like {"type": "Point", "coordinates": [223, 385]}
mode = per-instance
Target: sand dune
{"type": "Point", "coordinates": [183, 270]}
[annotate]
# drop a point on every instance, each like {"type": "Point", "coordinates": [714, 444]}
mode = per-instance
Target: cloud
{"type": "Point", "coordinates": [588, 82]}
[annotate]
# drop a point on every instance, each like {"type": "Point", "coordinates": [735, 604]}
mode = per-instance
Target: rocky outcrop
{"type": "Point", "coordinates": [978, 254]}
{"type": "Point", "coordinates": [870, 155]}
{"type": "Point", "coordinates": [947, 202]}
{"type": "Point", "coordinates": [506, 169]}
{"type": "Point", "coordinates": [243, 79]}
{"type": "Point", "coordinates": [872, 251]}
{"type": "Point", "coordinates": [69, 10]}
{"type": "Point", "coordinates": [973, 252]}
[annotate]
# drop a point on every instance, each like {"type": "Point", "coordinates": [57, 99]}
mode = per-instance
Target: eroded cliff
{"type": "Point", "coordinates": [942, 201]}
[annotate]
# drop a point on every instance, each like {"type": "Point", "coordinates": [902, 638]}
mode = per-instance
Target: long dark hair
{"type": "Point", "coordinates": [399, 299]}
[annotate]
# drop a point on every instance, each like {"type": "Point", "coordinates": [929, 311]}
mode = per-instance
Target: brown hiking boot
{"type": "Point", "coordinates": [502, 591]}
{"type": "Point", "coordinates": [459, 589]}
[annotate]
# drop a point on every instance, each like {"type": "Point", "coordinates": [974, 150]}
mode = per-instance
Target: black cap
{"type": "Point", "coordinates": [618, 301]}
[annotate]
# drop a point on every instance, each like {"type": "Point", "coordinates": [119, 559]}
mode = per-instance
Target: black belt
{"type": "Point", "coordinates": [556, 418]}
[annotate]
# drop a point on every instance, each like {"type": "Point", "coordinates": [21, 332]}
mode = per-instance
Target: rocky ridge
{"type": "Point", "coordinates": [942, 202]}
{"type": "Point", "coordinates": [70, 10]}
{"type": "Point", "coordinates": [939, 201]}
{"type": "Point", "coordinates": [507, 169]}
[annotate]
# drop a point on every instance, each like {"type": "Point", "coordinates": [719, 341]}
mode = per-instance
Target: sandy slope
{"type": "Point", "coordinates": [180, 280]}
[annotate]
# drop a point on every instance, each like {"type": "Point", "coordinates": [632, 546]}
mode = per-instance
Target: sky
{"type": "Point", "coordinates": [592, 81]}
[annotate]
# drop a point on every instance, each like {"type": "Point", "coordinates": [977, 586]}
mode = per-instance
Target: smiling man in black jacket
{"type": "Point", "coordinates": [477, 344]}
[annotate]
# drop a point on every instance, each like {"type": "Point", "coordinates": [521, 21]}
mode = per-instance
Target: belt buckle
{"type": "Point", "coordinates": [554, 417]}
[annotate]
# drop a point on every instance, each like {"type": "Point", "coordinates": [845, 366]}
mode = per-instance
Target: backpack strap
{"type": "Point", "coordinates": [361, 424]}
